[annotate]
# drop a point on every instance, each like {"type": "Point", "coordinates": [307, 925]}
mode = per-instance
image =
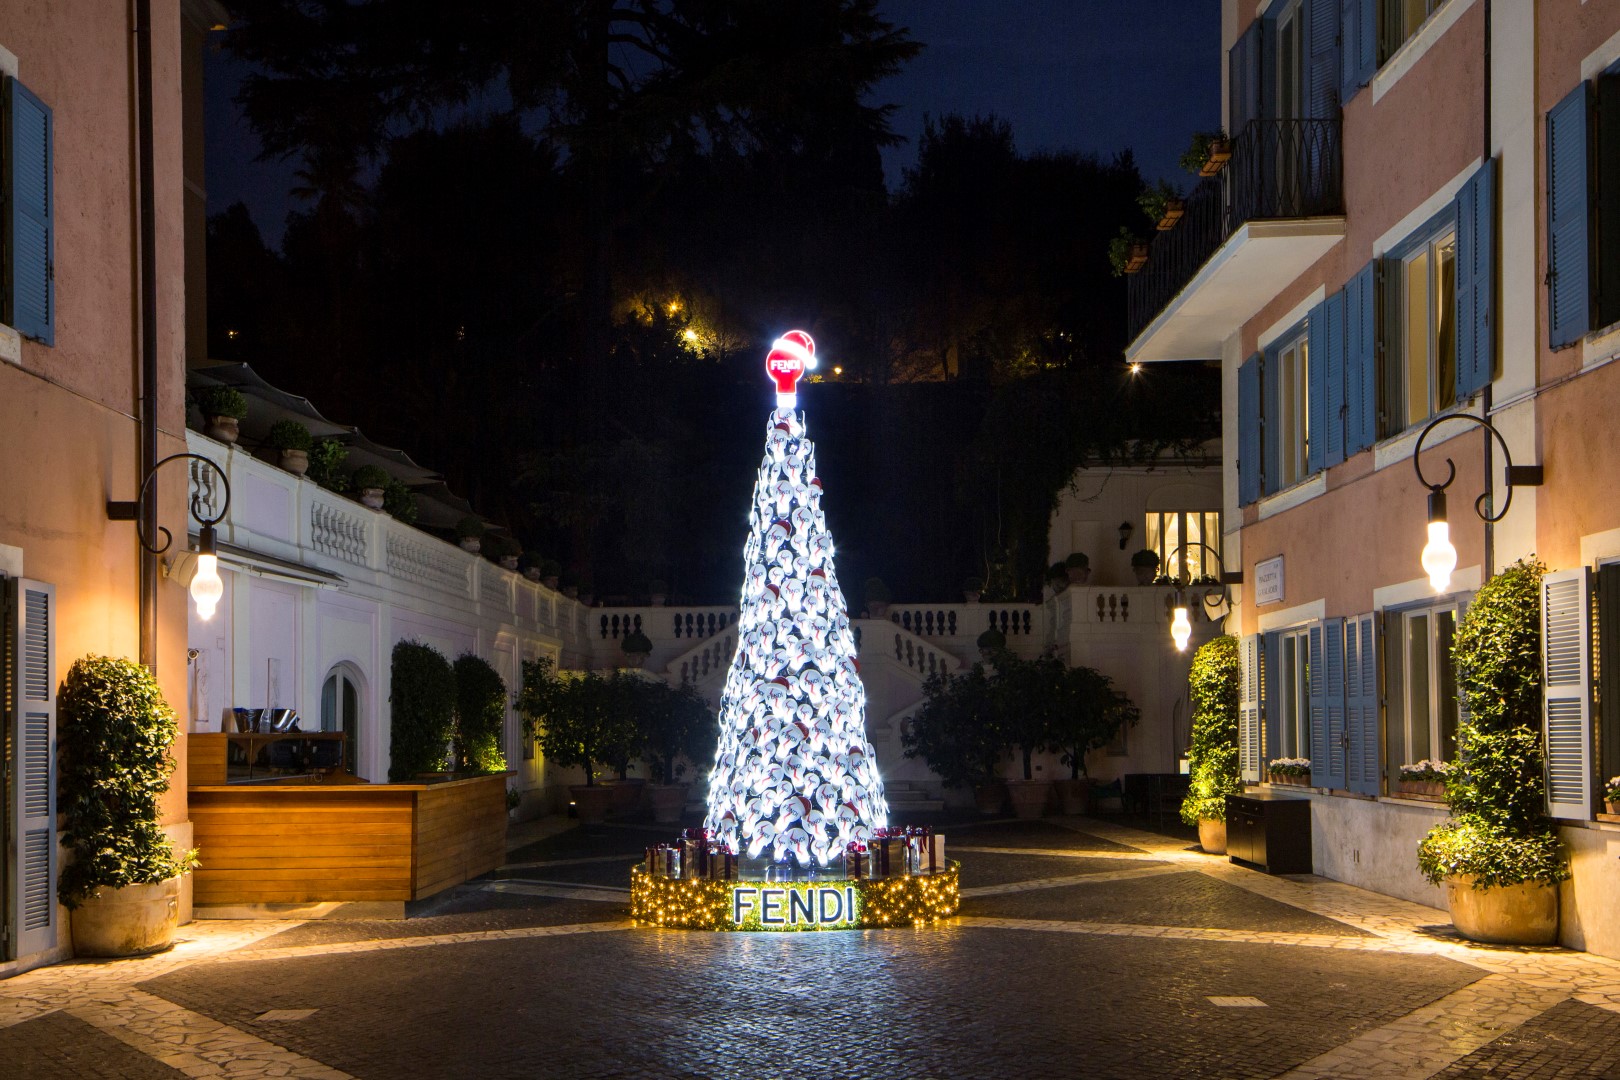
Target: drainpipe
{"type": "Point", "coordinates": [1485, 399]}
{"type": "Point", "coordinates": [149, 341]}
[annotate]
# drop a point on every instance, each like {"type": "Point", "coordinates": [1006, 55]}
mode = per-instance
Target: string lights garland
{"type": "Point", "coordinates": [701, 904]}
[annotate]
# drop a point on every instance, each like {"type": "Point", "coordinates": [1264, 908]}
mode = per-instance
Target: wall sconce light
{"type": "Point", "coordinates": [1439, 557]}
{"type": "Point", "coordinates": [1214, 597]}
{"type": "Point", "coordinates": [1125, 530]}
{"type": "Point", "coordinates": [206, 586]}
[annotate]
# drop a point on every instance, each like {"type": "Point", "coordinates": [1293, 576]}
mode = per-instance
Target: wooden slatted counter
{"type": "Point", "coordinates": [313, 843]}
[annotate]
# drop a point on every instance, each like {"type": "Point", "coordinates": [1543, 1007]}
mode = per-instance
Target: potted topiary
{"type": "Point", "coordinates": [223, 409]}
{"type": "Point", "coordinates": [990, 642]}
{"type": "Point", "coordinates": [657, 592]}
{"type": "Point", "coordinates": [371, 481]}
{"type": "Point", "coordinates": [1089, 713]}
{"type": "Point", "coordinates": [972, 589]}
{"type": "Point", "coordinates": [399, 502]}
{"type": "Point", "coordinates": [1498, 855]}
{"type": "Point", "coordinates": [954, 732]}
{"type": "Point", "coordinates": [1077, 568]}
{"type": "Point", "coordinates": [470, 534]}
{"type": "Point", "coordinates": [587, 594]}
{"type": "Point", "coordinates": [529, 563]}
{"type": "Point", "coordinates": [326, 465]}
{"type": "Point", "coordinates": [123, 883]}
{"type": "Point", "coordinates": [877, 598]}
{"type": "Point", "coordinates": [576, 725]}
{"type": "Point", "coordinates": [1026, 706]}
{"type": "Point", "coordinates": [1213, 685]}
{"type": "Point", "coordinates": [674, 723]}
{"type": "Point", "coordinates": [637, 647]}
{"type": "Point", "coordinates": [1126, 253]}
{"type": "Point", "coordinates": [570, 585]}
{"type": "Point", "coordinates": [1145, 565]}
{"type": "Point", "coordinates": [502, 549]}
{"type": "Point", "coordinates": [549, 569]}
{"type": "Point", "coordinates": [294, 441]}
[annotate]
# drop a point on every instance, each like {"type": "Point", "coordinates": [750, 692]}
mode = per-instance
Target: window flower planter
{"type": "Point", "coordinates": [1220, 152]}
{"type": "Point", "coordinates": [1429, 789]}
{"type": "Point", "coordinates": [1173, 210]}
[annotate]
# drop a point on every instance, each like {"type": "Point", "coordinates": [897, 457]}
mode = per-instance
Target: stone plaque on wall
{"type": "Point", "coordinates": [1268, 581]}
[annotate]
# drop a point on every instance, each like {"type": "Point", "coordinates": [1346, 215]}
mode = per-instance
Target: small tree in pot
{"type": "Point", "coordinates": [1077, 568]}
{"type": "Point", "coordinates": [124, 880]}
{"type": "Point", "coordinates": [954, 732]}
{"type": "Point", "coordinates": [1090, 712]}
{"type": "Point", "coordinates": [1213, 685]}
{"type": "Point", "coordinates": [575, 721]}
{"type": "Point", "coordinates": [637, 647]}
{"type": "Point", "coordinates": [1499, 855]}
{"type": "Point", "coordinates": [371, 481]}
{"type": "Point", "coordinates": [1145, 565]}
{"type": "Point", "coordinates": [470, 533]}
{"type": "Point", "coordinates": [675, 723]}
{"type": "Point", "coordinates": [223, 409]}
{"type": "Point", "coordinates": [294, 441]}
{"type": "Point", "coordinates": [878, 598]}
{"type": "Point", "coordinates": [1027, 700]}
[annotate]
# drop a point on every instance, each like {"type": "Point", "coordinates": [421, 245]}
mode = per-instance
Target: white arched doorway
{"type": "Point", "coordinates": [340, 710]}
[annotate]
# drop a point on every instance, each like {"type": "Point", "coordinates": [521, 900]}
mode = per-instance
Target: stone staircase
{"type": "Point", "coordinates": [908, 798]}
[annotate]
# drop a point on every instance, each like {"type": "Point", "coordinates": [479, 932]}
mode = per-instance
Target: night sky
{"type": "Point", "coordinates": [1090, 75]}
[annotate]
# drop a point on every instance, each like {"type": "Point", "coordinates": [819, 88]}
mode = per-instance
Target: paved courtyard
{"type": "Point", "coordinates": [1084, 949]}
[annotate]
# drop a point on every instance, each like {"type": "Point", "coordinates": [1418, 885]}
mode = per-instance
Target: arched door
{"type": "Point", "coordinates": [340, 711]}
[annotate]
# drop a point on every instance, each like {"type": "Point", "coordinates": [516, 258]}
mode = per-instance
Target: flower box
{"type": "Point", "coordinates": [1297, 779]}
{"type": "Point", "coordinates": [1138, 257]}
{"type": "Point", "coordinates": [1431, 789]}
{"type": "Point", "coordinates": [1220, 152]}
{"type": "Point", "coordinates": [1611, 806]}
{"type": "Point", "coordinates": [1173, 210]}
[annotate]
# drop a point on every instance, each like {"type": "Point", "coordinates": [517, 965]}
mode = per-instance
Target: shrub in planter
{"type": "Point", "coordinates": [1089, 713]}
{"type": "Point", "coordinates": [399, 502]}
{"type": "Point", "coordinates": [114, 740]}
{"type": "Point", "coordinates": [636, 647]}
{"type": "Point", "coordinates": [549, 571]}
{"type": "Point", "coordinates": [1611, 795]}
{"type": "Point", "coordinates": [326, 459]}
{"type": "Point", "coordinates": [575, 718]}
{"type": "Point", "coordinates": [371, 481]}
{"type": "Point", "coordinates": [480, 716]}
{"type": "Point", "coordinates": [421, 710]}
{"type": "Point", "coordinates": [1078, 568]}
{"type": "Point", "coordinates": [1206, 154]}
{"type": "Point", "coordinates": [1057, 577]}
{"type": "Point", "coordinates": [1498, 835]}
{"type": "Point", "coordinates": [954, 729]}
{"type": "Point", "coordinates": [1145, 564]}
{"type": "Point", "coordinates": [1213, 686]}
{"type": "Point", "coordinates": [290, 435]}
{"type": "Point", "coordinates": [1126, 253]}
{"type": "Point", "coordinates": [657, 592]}
{"type": "Point", "coordinates": [673, 723]}
{"type": "Point", "coordinates": [223, 409]}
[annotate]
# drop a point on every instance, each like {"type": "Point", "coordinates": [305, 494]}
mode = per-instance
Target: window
{"type": "Point", "coordinates": [1583, 230]}
{"type": "Point", "coordinates": [1422, 686]}
{"type": "Point", "coordinates": [340, 711]}
{"type": "Point", "coordinates": [1168, 529]}
{"type": "Point", "coordinates": [1288, 694]}
{"type": "Point", "coordinates": [1420, 376]}
{"type": "Point", "coordinates": [1290, 62]}
{"type": "Point", "coordinates": [1293, 432]}
{"type": "Point", "coordinates": [1401, 19]}
{"type": "Point", "coordinates": [1608, 670]}
{"type": "Point", "coordinates": [27, 280]}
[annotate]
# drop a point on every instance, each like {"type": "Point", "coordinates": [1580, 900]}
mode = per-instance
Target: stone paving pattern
{"type": "Point", "coordinates": [1085, 948]}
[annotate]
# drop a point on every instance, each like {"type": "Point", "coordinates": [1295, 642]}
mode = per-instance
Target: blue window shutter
{"type": "Point", "coordinates": [1358, 40]}
{"type": "Point", "coordinates": [1319, 330]}
{"type": "Point", "coordinates": [1316, 692]}
{"type": "Point", "coordinates": [1569, 214]}
{"type": "Point", "coordinates": [1332, 363]}
{"type": "Point", "coordinates": [1270, 422]}
{"type": "Point", "coordinates": [1249, 709]}
{"type": "Point", "coordinates": [30, 637]}
{"type": "Point", "coordinates": [1248, 433]}
{"type": "Point", "coordinates": [1322, 79]}
{"type": "Point", "coordinates": [1476, 281]}
{"type": "Point", "coordinates": [1271, 704]}
{"type": "Point", "coordinates": [30, 289]}
{"type": "Point", "coordinates": [1360, 360]}
{"type": "Point", "coordinates": [1327, 704]}
{"type": "Point", "coordinates": [1243, 86]}
{"type": "Point", "coordinates": [1363, 771]}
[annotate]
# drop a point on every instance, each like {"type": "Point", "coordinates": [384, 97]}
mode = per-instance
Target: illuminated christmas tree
{"type": "Point", "coordinates": [795, 778]}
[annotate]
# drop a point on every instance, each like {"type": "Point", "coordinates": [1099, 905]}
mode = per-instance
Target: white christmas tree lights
{"type": "Point", "coordinates": [795, 778]}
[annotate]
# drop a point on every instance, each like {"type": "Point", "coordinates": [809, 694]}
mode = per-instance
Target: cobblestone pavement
{"type": "Point", "coordinates": [1084, 949]}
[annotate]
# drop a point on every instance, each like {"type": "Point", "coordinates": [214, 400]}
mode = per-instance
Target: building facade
{"type": "Point", "coordinates": [1410, 228]}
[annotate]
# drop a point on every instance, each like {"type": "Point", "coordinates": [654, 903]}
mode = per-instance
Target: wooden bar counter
{"type": "Point", "coordinates": [297, 842]}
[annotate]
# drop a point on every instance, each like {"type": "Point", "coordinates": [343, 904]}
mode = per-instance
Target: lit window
{"type": "Point", "coordinates": [1288, 693]}
{"type": "Point", "coordinates": [1420, 377]}
{"type": "Point", "coordinates": [1401, 19]}
{"type": "Point", "coordinates": [1422, 686]}
{"type": "Point", "coordinates": [1166, 531]}
{"type": "Point", "coordinates": [1294, 409]}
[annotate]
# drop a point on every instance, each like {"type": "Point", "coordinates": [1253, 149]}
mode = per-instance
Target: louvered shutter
{"type": "Point", "coordinates": [1249, 709]}
{"type": "Point", "coordinates": [1249, 431]}
{"type": "Point", "coordinates": [1332, 362]}
{"type": "Point", "coordinates": [1322, 78]}
{"type": "Point", "coordinates": [1243, 86]}
{"type": "Point", "coordinates": [1360, 360]}
{"type": "Point", "coordinates": [1271, 406]}
{"type": "Point", "coordinates": [31, 656]}
{"type": "Point", "coordinates": [1358, 38]}
{"type": "Point", "coordinates": [1569, 218]}
{"type": "Point", "coordinates": [30, 289]}
{"type": "Point", "coordinates": [1319, 331]}
{"type": "Point", "coordinates": [1363, 774]}
{"type": "Point", "coordinates": [1476, 281]}
{"type": "Point", "coordinates": [1566, 612]}
{"type": "Point", "coordinates": [1333, 698]}
{"type": "Point", "coordinates": [1316, 694]}
{"type": "Point", "coordinates": [1271, 710]}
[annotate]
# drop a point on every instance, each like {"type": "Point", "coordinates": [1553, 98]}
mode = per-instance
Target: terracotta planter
{"type": "Point", "coordinates": [989, 797]}
{"type": "Point", "coordinates": [1074, 795]}
{"type": "Point", "coordinates": [295, 461]}
{"type": "Point", "coordinates": [1611, 806]}
{"type": "Point", "coordinates": [969, 596]}
{"type": "Point", "coordinates": [549, 581]}
{"type": "Point", "coordinates": [471, 544]}
{"type": "Point", "coordinates": [1078, 575]}
{"type": "Point", "coordinates": [1145, 574]}
{"type": "Point", "coordinates": [591, 802]}
{"type": "Point", "coordinates": [1172, 214]}
{"type": "Point", "coordinates": [509, 562]}
{"type": "Point", "coordinates": [657, 599]}
{"type": "Point", "coordinates": [626, 795]}
{"type": "Point", "coordinates": [1029, 797]}
{"type": "Point", "coordinates": [225, 429]}
{"type": "Point", "coordinates": [1212, 836]}
{"type": "Point", "coordinates": [1434, 789]}
{"type": "Point", "coordinates": [668, 800]}
{"type": "Point", "coordinates": [1220, 152]}
{"type": "Point", "coordinates": [878, 609]}
{"type": "Point", "coordinates": [1524, 914]}
{"type": "Point", "coordinates": [1291, 778]}
{"type": "Point", "coordinates": [372, 497]}
{"type": "Point", "coordinates": [532, 573]}
{"type": "Point", "coordinates": [1138, 257]}
{"type": "Point", "coordinates": [131, 921]}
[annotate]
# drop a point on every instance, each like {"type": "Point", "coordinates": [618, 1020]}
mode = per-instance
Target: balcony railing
{"type": "Point", "coordinates": [1279, 169]}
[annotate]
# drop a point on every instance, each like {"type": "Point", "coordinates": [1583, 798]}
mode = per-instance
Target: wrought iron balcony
{"type": "Point", "coordinates": [1280, 170]}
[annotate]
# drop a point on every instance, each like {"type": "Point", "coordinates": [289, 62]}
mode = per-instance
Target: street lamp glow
{"type": "Point", "coordinates": [1439, 557]}
{"type": "Point", "coordinates": [1180, 629]}
{"type": "Point", "coordinates": [206, 586]}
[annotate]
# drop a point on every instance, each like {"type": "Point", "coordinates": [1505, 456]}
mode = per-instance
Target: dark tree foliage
{"type": "Point", "coordinates": [422, 702]}
{"type": "Point", "coordinates": [480, 715]}
{"type": "Point", "coordinates": [1213, 757]}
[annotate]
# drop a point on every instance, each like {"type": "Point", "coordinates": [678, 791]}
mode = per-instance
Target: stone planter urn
{"type": "Point", "coordinates": [532, 573]}
{"type": "Point", "coordinates": [989, 797]}
{"type": "Point", "coordinates": [471, 544]}
{"type": "Point", "coordinates": [635, 659]}
{"type": "Point", "coordinates": [372, 497]}
{"type": "Point", "coordinates": [877, 609]}
{"type": "Point", "coordinates": [1078, 575]}
{"type": "Point", "coordinates": [295, 461]}
{"type": "Point", "coordinates": [668, 800]}
{"type": "Point", "coordinates": [1524, 914]}
{"type": "Point", "coordinates": [1145, 574]}
{"type": "Point", "coordinates": [969, 596]}
{"type": "Point", "coordinates": [657, 599]}
{"type": "Point", "coordinates": [1611, 806]}
{"type": "Point", "coordinates": [509, 562]}
{"type": "Point", "coordinates": [591, 802]}
{"type": "Point", "coordinates": [1212, 836]}
{"type": "Point", "coordinates": [1074, 795]}
{"type": "Point", "coordinates": [1029, 797]}
{"type": "Point", "coordinates": [225, 429]}
{"type": "Point", "coordinates": [131, 921]}
{"type": "Point", "coordinates": [549, 581]}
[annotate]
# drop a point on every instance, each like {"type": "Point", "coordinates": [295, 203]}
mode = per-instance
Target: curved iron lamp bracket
{"type": "Point", "coordinates": [1184, 583]}
{"type": "Point", "coordinates": [1513, 476]}
{"type": "Point", "coordinates": [131, 511]}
